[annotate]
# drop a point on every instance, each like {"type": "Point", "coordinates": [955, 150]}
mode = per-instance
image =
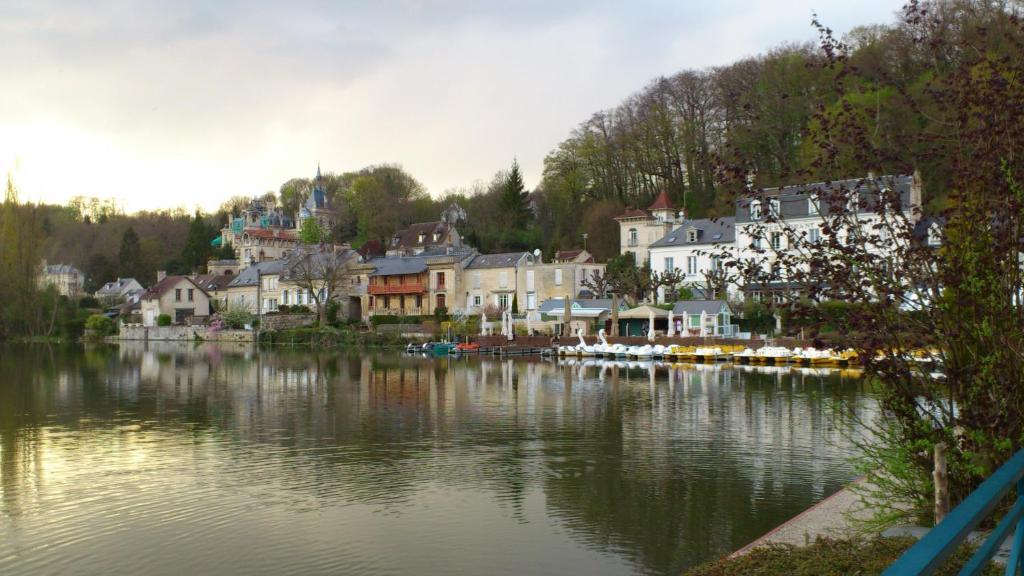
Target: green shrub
{"type": "Point", "coordinates": [332, 311]}
{"type": "Point", "coordinates": [237, 318]}
{"type": "Point", "coordinates": [163, 320]}
{"type": "Point", "coordinates": [284, 308]}
{"type": "Point", "coordinates": [100, 325]}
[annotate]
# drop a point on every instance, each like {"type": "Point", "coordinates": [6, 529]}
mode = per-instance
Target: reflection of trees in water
{"type": "Point", "coordinates": [625, 490]}
{"type": "Point", "coordinates": [664, 470]}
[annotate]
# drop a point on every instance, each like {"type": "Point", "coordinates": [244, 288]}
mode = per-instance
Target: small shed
{"type": "Point", "coordinates": [703, 318]}
{"type": "Point", "coordinates": [637, 321]}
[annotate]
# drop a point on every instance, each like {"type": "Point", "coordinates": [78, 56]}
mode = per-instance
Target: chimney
{"type": "Point", "coordinates": [160, 275]}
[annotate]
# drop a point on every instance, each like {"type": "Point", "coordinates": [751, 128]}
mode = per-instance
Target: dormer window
{"type": "Point", "coordinates": [437, 236]}
{"type": "Point", "coordinates": [775, 207]}
{"type": "Point", "coordinates": [422, 237]}
{"type": "Point", "coordinates": [755, 210]}
{"type": "Point", "coordinates": [812, 205]}
{"type": "Point", "coordinates": [691, 235]}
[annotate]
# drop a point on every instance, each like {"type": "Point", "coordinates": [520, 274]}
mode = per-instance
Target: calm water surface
{"type": "Point", "coordinates": [182, 459]}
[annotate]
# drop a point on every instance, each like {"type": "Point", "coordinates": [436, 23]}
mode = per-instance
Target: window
{"type": "Point", "coordinates": [177, 294]}
{"type": "Point", "coordinates": [529, 281]}
{"type": "Point", "coordinates": [191, 295]}
{"type": "Point", "coordinates": [437, 236]}
{"type": "Point", "coordinates": [284, 298]}
{"type": "Point", "coordinates": [477, 300]}
{"type": "Point", "coordinates": [757, 243]}
{"type": "Point", "coordinates": [476, 280]}
{"type": "Point", "coordinates": [634, 237]}
{"type": "Point", "coordinates": [775, 207]}
{"type": "Point", "coordinates": [691, 235]}
{"type": "Point", "coordinates": [558, 276]}
{"type": "Point", "coordinates": [531, 301]}
{"type": "Point", "coordinates": [440, 280]}
{"type": "Point", "coordinates": [421, 238]}
{"type": "Point", "coordinates": [814, 235]}
{"type": "Point", "coordinates": [669, 264]}
{"type": "Point", "coordinates": [812, 205]}
{"type": "Point", "coordinates": [503, 301]}
{"type": "Point", "coordinates": [716, 263]}
{"type": "Point", "coordinates": [755, 209]}
{"type": "Point", "coordinates": [776, 240]}
{"type": "Point", "coordinates": [694, 320]}
{"type": "Point", "coordinates": [691, 265]}
{"type": "Point", "coordinates": [503, 279]}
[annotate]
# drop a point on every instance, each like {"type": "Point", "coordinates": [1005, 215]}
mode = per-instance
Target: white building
{"type": "Point", "coordinates": [801, 210]}
{"type": "Point", "coordinates": [695, 247]}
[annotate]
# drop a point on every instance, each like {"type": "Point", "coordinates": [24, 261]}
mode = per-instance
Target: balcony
{"type": "Point", "coordinates": [407, 288]}
{"type": "Point", "coordinates": [632, 242]}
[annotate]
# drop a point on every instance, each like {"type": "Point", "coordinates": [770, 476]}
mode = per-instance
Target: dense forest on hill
{"type": "Point", "coordinates": [764, 115]}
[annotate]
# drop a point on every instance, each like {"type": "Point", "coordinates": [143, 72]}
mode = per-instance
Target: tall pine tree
{"type": "Point", "coordinates": [515, 200]}
{"type": "Point", "coordinates": [130, 255]}
{"type": "Point", "coordinates": [197, 245]}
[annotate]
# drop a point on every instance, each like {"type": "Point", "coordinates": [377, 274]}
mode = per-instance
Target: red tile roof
{"type": "Point", "coordinates": [410, 237]}
{"type": "Point", "coordinates": [632, 212]}
{"type": "Point", "coordinates": [156, 290]}
{"type": "Point", "coordinates": [661, 202]}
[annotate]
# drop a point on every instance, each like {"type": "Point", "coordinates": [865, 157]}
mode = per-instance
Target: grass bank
{"type": "Point", "coordinates": [827, 557]}
{"type": "Point", "coordinates": [330, 337]}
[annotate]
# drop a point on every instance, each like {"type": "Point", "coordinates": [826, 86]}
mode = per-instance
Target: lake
{"type": "Point", "coordinates": [205, 459]}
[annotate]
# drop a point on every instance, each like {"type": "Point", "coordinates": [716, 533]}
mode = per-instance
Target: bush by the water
{"type": "Point", "coordinates": [237, 318]}
{"type": "Point", "coordinates": [100, 325]}
{"type": "Point", "coordinates": [827, 557]}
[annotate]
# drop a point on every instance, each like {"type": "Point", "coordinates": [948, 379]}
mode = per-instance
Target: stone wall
{"type": "Point", "coordinates": [181, 334]}
{"type": "Point", "coordinates": [287, 321]}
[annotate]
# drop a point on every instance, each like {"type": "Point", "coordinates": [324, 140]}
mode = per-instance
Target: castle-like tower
{"type": "Point", "coordinates": [317, 205]}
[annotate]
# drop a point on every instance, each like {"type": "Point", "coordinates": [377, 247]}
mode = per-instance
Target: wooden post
{"type": "Point", "coordinates": [941, 479]}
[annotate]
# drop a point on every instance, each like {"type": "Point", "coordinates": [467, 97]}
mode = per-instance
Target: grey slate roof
{"type": "Point", "coordinates": [505, 260]}
{"type": "Point", "coordinates": [115, 288]}
{"type": "Point", "coordinates": [557, 304]}
{"type": "Point", "coordinates": [248, 277]}
{"type": "Point", "coordinates": [687, 307]}
{"type": "Point", "coordinates": [61, 269]}
{"type": "Point", "coordinates": [390, 266]}
{"type": "Point", "coordinates": [793, 200]}
{"type": "Point", "coordinates": [709, 231]}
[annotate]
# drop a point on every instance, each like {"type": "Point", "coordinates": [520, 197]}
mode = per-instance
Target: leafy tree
{"type": "Point", "coordinates": [957, 302]}
{"type": "Point", "coordinates": [311, 232]}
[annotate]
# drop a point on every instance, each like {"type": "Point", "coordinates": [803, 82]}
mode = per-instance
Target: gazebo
{"type": "Point", "coordinates": [637, 321]}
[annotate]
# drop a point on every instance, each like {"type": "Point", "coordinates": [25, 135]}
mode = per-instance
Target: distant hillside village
{"type": "Point", "coordinates": [283, 264]}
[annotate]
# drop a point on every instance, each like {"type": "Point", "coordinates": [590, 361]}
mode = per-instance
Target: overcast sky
{"type": "Point", "coordinates": [190, 102]}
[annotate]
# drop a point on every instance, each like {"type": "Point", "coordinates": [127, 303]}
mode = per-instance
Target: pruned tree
{"type": "Point", "coordinates": [598, 283]}
{"type": "Point", "coordinates": [322, 271]}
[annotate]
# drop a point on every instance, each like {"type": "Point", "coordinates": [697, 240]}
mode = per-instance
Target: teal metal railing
{"type": "Point", "coordinates": [929, 552]}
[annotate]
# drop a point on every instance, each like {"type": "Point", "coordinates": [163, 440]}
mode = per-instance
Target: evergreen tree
{"type": "Point", "coordinates": [515, 200]}
{"type": "Point", "coordinates": [130, 255]}
{"type": "Point", "coordinates": [197, 245]}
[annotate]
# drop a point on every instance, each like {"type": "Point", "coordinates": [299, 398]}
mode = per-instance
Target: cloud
{"type": "Point", "coordinates": [192, 102]}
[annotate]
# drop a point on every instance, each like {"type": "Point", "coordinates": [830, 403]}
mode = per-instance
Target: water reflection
{"type": "Point", "coordinates": [220, 459]}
